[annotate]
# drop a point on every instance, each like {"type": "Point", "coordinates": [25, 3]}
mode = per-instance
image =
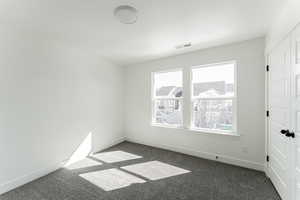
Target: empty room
{"type": "Point", "coordinates": [150, 100]}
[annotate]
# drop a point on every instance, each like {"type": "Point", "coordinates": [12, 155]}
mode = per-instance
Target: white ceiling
{"type": "Point", "coordinates": [161, 25]}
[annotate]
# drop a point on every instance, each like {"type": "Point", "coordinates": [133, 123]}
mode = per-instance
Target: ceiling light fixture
{"type": "Point", "coordinates": [126, 14]}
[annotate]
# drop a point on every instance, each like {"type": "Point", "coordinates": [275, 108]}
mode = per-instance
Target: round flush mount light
{"type": "Point", "coordinates": [126, 14]}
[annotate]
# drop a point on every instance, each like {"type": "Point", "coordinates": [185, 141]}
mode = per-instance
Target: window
{"type": "Point", "coordinates": [167, 98]}
{"type": "Point", "coordinates": [213, 97]}
{"type": "Point", "coordinates": [298, 52]}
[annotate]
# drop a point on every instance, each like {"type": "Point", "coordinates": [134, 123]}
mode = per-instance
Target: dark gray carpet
{"type": "Point", "coordinates": [207, 180]}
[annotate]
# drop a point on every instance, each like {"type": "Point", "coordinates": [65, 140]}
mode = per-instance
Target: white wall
{"type": "Point", "coordinates": [51, 98]}
{"type": "Point", "coordinates": [283, 23]}
{"type": "Point", "coordinates": [245, 150]}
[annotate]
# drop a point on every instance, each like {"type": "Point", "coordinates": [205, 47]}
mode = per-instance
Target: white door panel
{"type": "Point", "coordinates": [279, 106]}
{"type": "Point", "coordinates": [295, 113]}
{"type": "Point", "coordinates": [280, 116]}
{"type": "Point", "coordinates": [296, 168]}
{"type": "Point", "coordinates": [284, 105]}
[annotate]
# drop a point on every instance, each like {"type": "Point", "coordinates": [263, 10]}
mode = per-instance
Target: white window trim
{"type": "Point", "coordinates": [154, 98]}
{"type": "Point", "coordinates": [234, 132]}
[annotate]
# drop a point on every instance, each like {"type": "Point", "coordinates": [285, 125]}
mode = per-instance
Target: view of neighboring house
{"type": "Point", "coordinates": [212, 89]}
{"type": "Point", "coordinates": [168, 108]}
{"type": "Point", "coordinates": [214, 114]}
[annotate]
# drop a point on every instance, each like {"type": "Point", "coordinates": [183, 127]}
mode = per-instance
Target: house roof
{"type": "Point", "coordinates": [218, 86]}
{"type": "Point", "coordinates": [199, 89]}
{"type": "Point", "coordinates": [164, 91]}
{"type": "Point", "coordinates": [169, 91]}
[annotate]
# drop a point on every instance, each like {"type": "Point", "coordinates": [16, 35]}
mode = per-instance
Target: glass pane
{"type": "Point", "coordinates": [213, 81]}
{"type": "Point", "coordinates": [168, 112]}
{"type": "Point", "coordinates": [298, 52]}
{"type": "Point", "coordinates": [168, 84]}
{"type": "Point", "coordinates": [213, 114]}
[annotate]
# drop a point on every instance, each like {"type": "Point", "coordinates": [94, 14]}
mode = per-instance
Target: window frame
{"type": "Point", "coordinates": [234, 101]}
{"type": "Point", "coordinates": [154, 98]}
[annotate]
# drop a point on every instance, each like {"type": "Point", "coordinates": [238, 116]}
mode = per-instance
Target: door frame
{"type": "Point", "coordinates": [267, 118]}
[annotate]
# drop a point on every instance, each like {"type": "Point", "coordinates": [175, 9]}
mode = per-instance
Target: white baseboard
{"type": "Point", "coordinates": [206, 155]}
{"type": "Point", "coordinates": [266, 170]}
{"type": "Point", "coordinates": [17, 182]}
{"type": "Point", "coordinates": [113, 143]}
{"type": "Point", "coordinates": [10, 185]}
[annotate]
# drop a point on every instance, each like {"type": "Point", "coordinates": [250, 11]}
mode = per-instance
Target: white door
{"type": "Point", "coordinates": [279, 120]}
{"type": "Point", "coordinates": [295, 113]}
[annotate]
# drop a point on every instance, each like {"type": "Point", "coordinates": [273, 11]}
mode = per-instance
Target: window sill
{"type": "Point", "coordinates": [218, 132]}
{"type": "Point", "coordinates": [197, 130]}
{"type": "Point", "coordinates": [166, 126]}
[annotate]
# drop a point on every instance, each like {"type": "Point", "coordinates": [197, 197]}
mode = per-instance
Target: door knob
{"type": "Point", "coordinates": [290, 134]}
{"type": "Point", "coordinates": [284, 132]}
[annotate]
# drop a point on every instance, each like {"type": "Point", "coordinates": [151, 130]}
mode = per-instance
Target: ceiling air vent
{"type": "Point", "coordinates": [183, 45]}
